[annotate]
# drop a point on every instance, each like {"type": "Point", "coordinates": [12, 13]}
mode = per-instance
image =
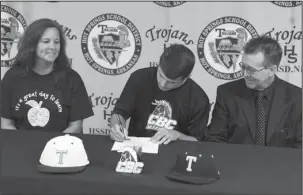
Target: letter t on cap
{"type": "Point", "coordinates": [61, 152]}
{"type": "Point", "coordinates": [190, 159]}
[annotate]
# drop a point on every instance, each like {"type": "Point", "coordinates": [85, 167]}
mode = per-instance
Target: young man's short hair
{"type": "Point", "coordinates": [177, 61]}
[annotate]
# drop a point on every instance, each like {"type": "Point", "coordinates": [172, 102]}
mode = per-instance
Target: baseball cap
{"type": "Point", "coordinates": [194, 168]}
{"type": "Point", "coordinates": [63, 154]}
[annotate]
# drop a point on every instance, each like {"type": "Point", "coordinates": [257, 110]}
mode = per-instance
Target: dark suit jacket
{"type": "Point", "coordinates": [234, 118]}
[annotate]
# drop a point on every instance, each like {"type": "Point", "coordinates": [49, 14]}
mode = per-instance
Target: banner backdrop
{"type": "Point", "coordinates": [214, 31]}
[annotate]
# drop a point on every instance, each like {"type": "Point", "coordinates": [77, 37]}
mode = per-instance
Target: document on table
{"type": "Point", "coordinates": [145, 143]}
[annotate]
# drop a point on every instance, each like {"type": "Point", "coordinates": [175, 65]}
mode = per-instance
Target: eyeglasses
{"type": "Point", "coordinates": [249, 70]}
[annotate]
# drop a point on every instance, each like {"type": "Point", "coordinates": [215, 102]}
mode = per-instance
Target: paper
{"type": "Point", "coordinates": [145, 143]}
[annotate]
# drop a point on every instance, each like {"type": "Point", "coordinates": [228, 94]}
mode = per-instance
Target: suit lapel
{"type": "Point", "coordinates": [248, 107]}
{"type": "Point", "coordinates": [278, 108]}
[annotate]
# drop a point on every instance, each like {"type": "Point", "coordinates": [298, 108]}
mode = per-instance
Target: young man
{"type": "Point", "coordinates": [259, 109]}
{"type": "Point", "coordinates": [163, 103]}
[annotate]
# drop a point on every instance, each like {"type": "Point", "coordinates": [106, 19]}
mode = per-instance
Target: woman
{"type": "Point", "coordinates": [41, 91]}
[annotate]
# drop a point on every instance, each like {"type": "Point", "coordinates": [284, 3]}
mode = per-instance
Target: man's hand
{"type": "Point", "coordinates": [165, 136]}
{"type": "Point", "coordinates": [116, 134]}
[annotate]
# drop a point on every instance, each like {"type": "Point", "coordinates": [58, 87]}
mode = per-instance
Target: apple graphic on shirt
{"type": "Point", "coordinates": [37, 116]}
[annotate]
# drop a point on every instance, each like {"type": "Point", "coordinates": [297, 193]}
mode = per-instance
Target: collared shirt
{"type": "Point", "coordinates": [267, 101]}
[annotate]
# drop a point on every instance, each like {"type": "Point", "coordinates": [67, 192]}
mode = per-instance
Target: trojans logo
{"type": "Point", "coordinates": [111, 44]}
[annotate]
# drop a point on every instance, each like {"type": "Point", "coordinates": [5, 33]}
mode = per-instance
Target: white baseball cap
{"type": "Point", "coordinates": [63, 154]}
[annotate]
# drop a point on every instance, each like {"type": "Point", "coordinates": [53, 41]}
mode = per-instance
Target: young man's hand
{"type": "Point", "coordinates": [165, 136]}
{"type": "Point", "coordinates": [116, 134]}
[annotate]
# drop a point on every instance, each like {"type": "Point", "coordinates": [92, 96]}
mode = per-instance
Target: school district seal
{"type": "Point", "coordinates": [12, 28]}
{"type": "Point", "coordinates": [111, 44]}
{"type": "Point", "coordinates": [169, 3]}
{"type": "Point", "coordinates": [220, 45]}
{"type": "Point", "coordinates": [287, 3]}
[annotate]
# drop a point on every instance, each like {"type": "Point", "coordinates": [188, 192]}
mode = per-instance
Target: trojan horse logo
{"type": "Point", "coordinates": [161, 117]}
{"type": "Point", "coordinates": [163, 109]}
{"type": "Point", "coordinates": [128, 154]}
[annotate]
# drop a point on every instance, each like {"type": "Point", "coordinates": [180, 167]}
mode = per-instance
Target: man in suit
{"type": "Point", "coordinates": [260, 108]}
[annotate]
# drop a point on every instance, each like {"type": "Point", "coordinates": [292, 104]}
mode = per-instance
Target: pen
{"type": "Point", "coordinates": [121, 127]}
